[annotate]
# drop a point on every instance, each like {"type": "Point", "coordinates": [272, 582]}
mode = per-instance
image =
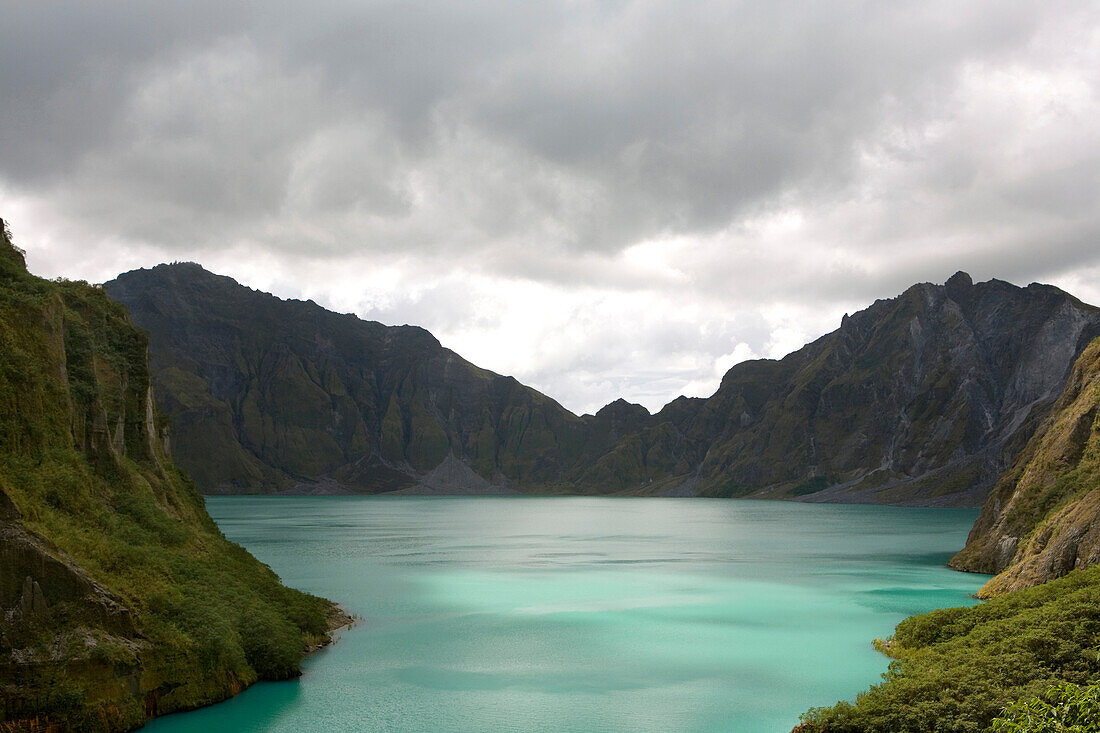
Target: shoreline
{"type": "Point", "coordinates": [338, 620]}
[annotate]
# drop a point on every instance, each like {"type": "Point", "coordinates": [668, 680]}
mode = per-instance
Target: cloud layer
{"type": "Point", "coordinates": [602, 198]}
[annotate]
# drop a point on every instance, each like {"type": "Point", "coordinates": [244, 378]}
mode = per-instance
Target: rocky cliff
{"type": "Point", "coordinates": [1041, 520]}
{"type": "Point", "coordinates": [272, 395]}
{"type": "Point", "coordinates": [119, 597]}
{"type": "Point", "coordinates": [922, 399]}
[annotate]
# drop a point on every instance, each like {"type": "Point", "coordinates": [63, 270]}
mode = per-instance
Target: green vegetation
{"type": "Point", "coordinates": [119, 597]}
{"type": "Point", "coordinates": [1061, 709]}
{"type": "Point", "coordinates": [956, 670]}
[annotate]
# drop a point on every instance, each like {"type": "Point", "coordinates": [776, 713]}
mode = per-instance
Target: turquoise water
{"type": "Point", "coordinates": [585, 614]}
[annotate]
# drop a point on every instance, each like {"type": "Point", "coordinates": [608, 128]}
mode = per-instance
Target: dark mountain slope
{"type": "Point", "coordinates": [920, 399]}
{"type": "Point", "coordinates": [267, 395]}
{"type": "Point", "coordinates": [119, 597]}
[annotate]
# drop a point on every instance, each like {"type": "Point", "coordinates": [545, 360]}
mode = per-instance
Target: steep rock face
{"type": "Point", "coordinates": [1042, 520]}
{"type": "Point", "coordinates": [273, 395]}
{"type": "Point", "coordinates": [922, 399]}
{"type": "Point", "coordinates": [119, 597]}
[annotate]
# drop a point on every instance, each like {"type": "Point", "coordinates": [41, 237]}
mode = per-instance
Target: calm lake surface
{"type": "Point", "coordinates": [586, 614]}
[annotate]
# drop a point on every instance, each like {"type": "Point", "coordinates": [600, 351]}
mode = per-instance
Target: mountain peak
{"type": "Point", "coordinates": [620, 407]}
{"type": "Point", "coordinates": [959, 280]}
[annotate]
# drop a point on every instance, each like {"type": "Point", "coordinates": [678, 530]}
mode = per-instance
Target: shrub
{"type": "Point", "coordinates": [956, 670]}
{"type": "Point", "coordinates": [271, 644]}
{"type": "Point", "coordinates": [1061, 709]}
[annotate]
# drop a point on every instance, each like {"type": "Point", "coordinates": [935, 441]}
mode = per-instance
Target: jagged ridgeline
{"type": "Point", "coordinates": [268, 395]}
{"type": "Point", "coordinates": [922, 399]}
{"type": "Point", "coordinates": [1043, 518]}
{"type": "Point", "coordinates": [119, 597]}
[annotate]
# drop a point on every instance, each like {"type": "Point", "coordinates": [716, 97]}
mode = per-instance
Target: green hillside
{"type": "Point", "coordinates": [119, 597]}
{"type": "Point", "coordinates": [957, 669]}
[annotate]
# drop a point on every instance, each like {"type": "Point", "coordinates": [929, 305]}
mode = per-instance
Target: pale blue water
{"type": "Point", "coordinates": [582, 614]}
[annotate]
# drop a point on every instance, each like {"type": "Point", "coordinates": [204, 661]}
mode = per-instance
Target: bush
{"type": "Point", "coordinates": [1061, 709]}
{"type": "Point", "coordinates": [271, 644]}
{"type": "Point", "coordinates": [956, 670]}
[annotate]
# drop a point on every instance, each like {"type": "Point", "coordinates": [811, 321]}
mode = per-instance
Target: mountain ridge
{"type": "Point", "coordinates": [919, 399]}
{"type": "Point", "coordinates": [398, 432]}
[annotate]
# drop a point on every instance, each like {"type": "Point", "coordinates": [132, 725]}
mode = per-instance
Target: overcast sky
{"type": "Point", "coordinates": [602, 199]}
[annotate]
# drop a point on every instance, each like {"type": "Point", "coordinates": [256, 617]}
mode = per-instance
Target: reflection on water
{"type": "Point", "coordinates": [585, 614]}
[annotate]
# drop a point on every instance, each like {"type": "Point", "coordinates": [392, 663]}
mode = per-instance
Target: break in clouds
{"type": "Point", "coordinates": [602, 198]}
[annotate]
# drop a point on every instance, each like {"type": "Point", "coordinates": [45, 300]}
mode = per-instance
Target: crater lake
{"type": "Point", "coordinates": [586, 614]}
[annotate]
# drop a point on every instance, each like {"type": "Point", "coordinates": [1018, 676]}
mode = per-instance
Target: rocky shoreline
{"type": "Point", "coordinates": [338, 620]}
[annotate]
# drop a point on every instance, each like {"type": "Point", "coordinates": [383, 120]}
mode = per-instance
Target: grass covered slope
{"type": "Point", "coordinates": [119, 597]}
{"type": "Point", "coordinates": [957, 669]}
{"type": "Point", "coordinates": [1041, 521]}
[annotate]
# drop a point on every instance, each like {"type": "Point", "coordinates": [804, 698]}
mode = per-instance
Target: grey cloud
{"type": "Point", "coordinates": [67, 69]}
{"type": "Point", "coordinates": [538, 142]}
{"type": "Point", "coordinates": [679, 117]}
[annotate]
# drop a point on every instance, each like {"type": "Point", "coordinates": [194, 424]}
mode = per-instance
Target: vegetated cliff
{"type": "Point", "coordinates": [1041, 520]}
{"type": "Point", "coordinates": [922, 399]}
{"type": "Point", "coordinates": [119, 597]}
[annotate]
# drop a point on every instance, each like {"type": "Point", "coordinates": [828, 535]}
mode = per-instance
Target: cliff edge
{"type": "Point", "coordinates": [120, 599]}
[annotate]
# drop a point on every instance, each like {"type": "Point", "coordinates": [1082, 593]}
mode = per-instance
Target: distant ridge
{"type": "Point", "coordinates": [921, 399]}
